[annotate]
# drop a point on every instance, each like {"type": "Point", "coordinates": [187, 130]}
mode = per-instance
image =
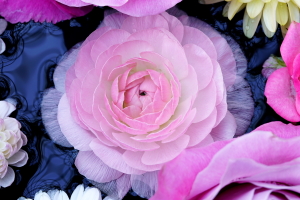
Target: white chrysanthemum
{"type": "Point", "coordinates": [269, 12]}
{"type": "Point", "coordinates": [3, 25]}
{"type": "Point", "coordinates": [78, 194]}
{"type": "Point", "coordinates": [11, 141]}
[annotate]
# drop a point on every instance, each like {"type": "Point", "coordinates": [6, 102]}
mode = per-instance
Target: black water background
{"type": "Point", "coordinates": [26, 69]}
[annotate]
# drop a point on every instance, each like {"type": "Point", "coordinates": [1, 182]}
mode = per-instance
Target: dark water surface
{"type": "Point", "coordinates": [34, 49]}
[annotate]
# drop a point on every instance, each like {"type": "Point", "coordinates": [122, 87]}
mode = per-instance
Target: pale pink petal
{"type": "Point", "coordinates": [140, 8]}
{"type": "Point", "coordinates": [199, 131]}
{"type": "Point", "coordinates": [195, 36]}
{"type": "Point", "coordinates": [77, 136]}
{"type": "Point", "coordinates": [106, 2]}
{"type": "Point", "coordinates": [145, 185]}
{"type": "Point", "coordinates": [93, 168]}
{"type": "Point", "coordinates": [281, 95]}
{"type": "Point", "coordinates": [39, 11]}
{"type": "Point", "coordinates": [166, 152]}
{"type": "Point", "coordinates": [133, 159]}
{"type": "Point", "coordinates": [186, 91]}
{"type": "Point", "coordinates": [226, 129]}
{"type": "Point", "coordinates": [201, 63]}
{"type": "Point", "coordinates": [167, 46]}
{"type": "Point", "coordinates": [175, 26]}
{"type": "Point", "coordinates": [135, 24]}
{"type": "Point", "coordinates": [112, 157]}
{"type": "Point", "coordinates": [108, 39]}
{"type": "Point", "coordinates": [289, 48]}
{"type": "Point", "coordinates": [19, 159]}
{"type": "Point", "coordinates": [205, 102]}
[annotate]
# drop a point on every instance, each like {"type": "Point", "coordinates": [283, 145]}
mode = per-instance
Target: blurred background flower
{"type": "Point", "coordinates": [3, 25]}
{"type": "Point", "coordinates": [11, 141]}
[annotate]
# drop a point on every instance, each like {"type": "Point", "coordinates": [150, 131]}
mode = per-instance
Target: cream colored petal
{"type": "Point", "coordinates": [254, 8]}
{"type": "Point", "coordinates": [225, 10]}
{"type": "Point", "coordinates": [284, 28]}
{"type": "Point", "coordinates": [6, 108]}
{"type": "Point", "coordinates": [245, 1]}
{"type": "Point", "coordinates": [250, 25]}
{"type": "Point", "coordinates": [282, 14]}
{"type": "Point", "coordinates": [297, 2]}
{"type": "Point", "coordinates": [265, 1]}
{"type": "Point", "coordinates": [267, 32]}
{"type": "Point", "coordinates": [233, 8]}
{"type": "Point", "coordinates": [283, 1]}
{"type": "Point", "coordinates": [294, 12]}
{"type": "Point", "coordinates": [269, 15]}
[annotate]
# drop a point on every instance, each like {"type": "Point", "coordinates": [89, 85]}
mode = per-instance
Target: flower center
{"type": "Point", "coordinates": [143, 93]}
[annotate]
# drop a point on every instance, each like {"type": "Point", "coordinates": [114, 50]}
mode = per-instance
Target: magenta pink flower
{"type": "Point", "coordinates": [283, 86]}
{"type": "Point", "coordinates": [140, 92]}
{"type": "Point", "coordinates": [135, 8]}
{"type": "Point", "coordinates": [16, 11]}
{"type": "Point", "coordinates": [261, 165]}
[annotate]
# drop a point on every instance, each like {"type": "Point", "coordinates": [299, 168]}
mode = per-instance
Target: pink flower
{"type": "Point", "coordinates": [16, 11]}
{"type": "Point", "coordinates": [283, 86]}
{"type": "Point", "coordinates": [135, 8]}
{"type": "Point", "coordinates": [11, 141]}
{"type": "Point", "coordinates": [261, 165]}
{"type": "Point", "coordinates": [140, 92]}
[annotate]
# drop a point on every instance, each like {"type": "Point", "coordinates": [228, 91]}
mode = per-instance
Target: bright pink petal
{"type": "Point", "coordinates": [178, 187]}
{"type": "Point", "coordinates": [289, 48]}
{"type": "Point", "coordinates": [39, 11]}
{"type": "Point", "coordinates": [226, 129]}
{"type": "Point", "coordinates": [281, 95]}
{"type": "Point", "coordinates": [106, 2]}
{"type": "Point", "coordinates": [280, 129]}
{"type": "Point", "coordinates": [140, 8]}
{"type": "Point", "coordinates": [73, 3]}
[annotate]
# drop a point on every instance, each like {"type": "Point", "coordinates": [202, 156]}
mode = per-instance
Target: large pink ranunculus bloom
{"type": "Point", "coordinates": [263, 164]}
{"type": "Point", "coordinates": [140, 91]}
{"type": "Point", "coordinates": [16, 11]}
{"type": "Point", "coordinates": [137, 8]}
{"type": "Point", "coordinates": [283, 85]}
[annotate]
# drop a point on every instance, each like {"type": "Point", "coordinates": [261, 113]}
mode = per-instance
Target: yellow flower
{"type": "Point", "coordinates": [270, 12]}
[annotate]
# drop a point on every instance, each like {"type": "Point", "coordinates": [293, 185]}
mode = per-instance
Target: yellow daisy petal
{"type": "Point", "coordinates": [267, 32]}
{"type": "Point", "coordinates": [254, 8]}
{"type": "Point", "coordinates": [233, 8]}
{"type": "Point", "coordinates": [266, 1]}
{"type": "Point", "coordinates": [245, 1]}
{"type": "Point", "coordinates": [282, 13]}
{"type": "Point", "coordinates": [269, 15]}
{"type": "Point", "coordinates": [283, 1]}
{"type": "Point", "coordinates": [250, 25]}
{"type": "Point", "coordinates": [294, 12]}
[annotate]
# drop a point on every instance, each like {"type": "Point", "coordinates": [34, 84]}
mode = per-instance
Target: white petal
{"type": "Point", "coordinates": [233, 8]}
{"type": "Point", "coordinates": [254, 8]}
{"type": "Point", "coordinates": [5, 108]}
{"type": "Point", "coordinates": [3, 25]}
{"type": "Point", "coordinates": [294, 12]}
{"type": "Point", "coordinates": [19, 159]}
{"type": "Point", "coordinates": [8, 179]}
{"type": "Point", "coordinates": [41, 196]}
{"type": "Point", "coordinates": [2, 46]}
{"type": "Point", "coordinates": [92, 194]}
{"type": "Point", "coordinates": [77, 193]}
{"type": "Point", "coordinates": [267, 32]}
{"type": "Point", "coordinates": [282, 13]}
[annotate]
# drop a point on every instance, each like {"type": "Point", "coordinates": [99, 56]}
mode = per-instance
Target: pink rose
{"type": "Point", "coordinates": [137, 8]}
{"type": "Point", "coordinates": [263, 164]}
{"type": "Point", "coordinates": [283, 86]}
{"type": "Point", "coordinates": [140, 92]}
{"type": "Point", "coordinates": [16, 11]}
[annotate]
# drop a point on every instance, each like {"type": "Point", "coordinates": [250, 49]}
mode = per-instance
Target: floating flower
{"type": "Point", "coordinates": [283, 86]}
{"type": "Point", "coordinates": [263, 164]}
{"type": "Point", "coordinates": [11, 141]}
{"type": "Point", "coordinates": [269, 12]}
{"type": "Point", "coordinates": [141, 90]}
{"type": "Point", "coordinates": [78, 194]}
{"type": "Point", "coordinates": [135, 8]}
{"type": "Point", "coordinates": [40, 11]}
{"type": "Point", "coordinates": [3, 25]}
